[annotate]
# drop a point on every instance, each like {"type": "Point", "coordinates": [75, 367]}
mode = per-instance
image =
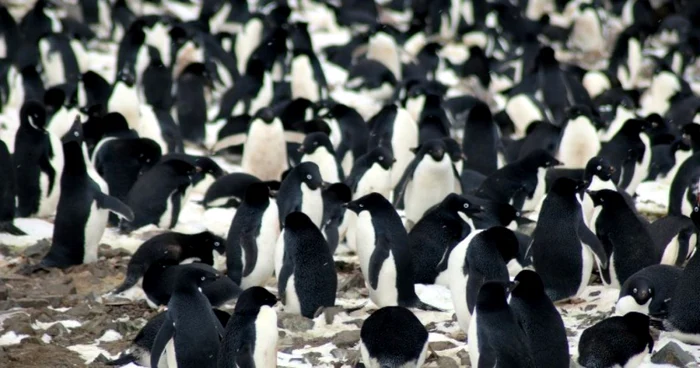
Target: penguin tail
{"type": "Point", "coordinates": [10, 228]}
{"type": "Point", "coordinates": [418, 304]}
{"type": "Point", "coordinates": [129, 282]}
{"type": "Point", "coordinates": [123, 359]}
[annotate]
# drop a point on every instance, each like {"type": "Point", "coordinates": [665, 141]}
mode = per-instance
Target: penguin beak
{"type": "Point", "coordinates": [273, 193]}
{"type": "Point", "coordinates": [300, 149]}
{"type": "Point", "coordinates": [512, 285]}
{"type": "Point", "coordinates": [325, 185]}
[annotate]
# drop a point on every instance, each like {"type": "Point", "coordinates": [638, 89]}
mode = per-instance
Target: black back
{"type": "Point", "coordinates": [393, 336]}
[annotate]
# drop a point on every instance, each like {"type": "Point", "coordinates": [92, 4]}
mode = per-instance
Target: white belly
{"type": "Point", "coordinates": [94, 228]}
{"type": "Point", "coordinates": [386, 293]}
{"type": "Point", "coordinates": [312, 204]}
{"type": "Point", "coordinates": [266, 243]}
{"type": "Point", "coordinates": [265, 353]}
{"type": "Point", "coordinates": [473, 342]}
{"type": "Point", "coordinates": [265, 151]}
{"type": "Point", "coordinates": [641, 170]}
{"type": "Point", "coordinates": [671, 252]}
{"type": "Point", "coordinates": [292, 304]}
{"type": "Point", "coordinates": [326, 164]}
{"type": "Point", "coordinates": [458, 281]}
{"type": "Point", "coordinates": [627, 304]}
{"type": "Point", "coordinates": [530, 204]}
{"type": "Point", "coordinates": [431, 183]}
{"type": "Point", "coordinates": [170, 356]}
{"type": "Point", "coordinates": [579, 143]}
{"type": "Point", "coordinates": [279, 254]}
{"type": "Point", "coordinates": [404, 138]}
{"type": "Point", "coordinates": [586, 269]}
{"type": "Point", "coordinates": [167, 216]}
{"type": "Point", "coordinates": [375, 179]}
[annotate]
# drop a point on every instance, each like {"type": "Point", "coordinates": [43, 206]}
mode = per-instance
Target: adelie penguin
{"type": "Point", "coordinates": [250, 339]}
{"type": "Point", "coordinates": [649, 291]}
{"type": "Point", "coordinates": [38, 159]}
{"type": "Point", "coordinates": [629, 151]}
{"type": "Point", "coordinates": [173, 246]}
{"type": "Point", "coordinates": [432, 239]}
{"type": "Point", "coordinates": [229, 190]}
{"type": "Point", "coordinates": [385, 259]}
{"type": "Point", "coordinates": [83, 208]}
{"type": "Point", "coordinates": [482, 256]}
{"type": "Point", "coordinates": [301, 191]}
{"type": "Point", "coordinates": [481, 141]}
{"type": "Point", "coordinates": [394, 128]}
{"type": "Point", "coordinates": [563, 248]}
{"type": "Point", "coordinates": [393, 337]}
{"type": "Point", "coordinates": [428, 179]}
{"type": "Point", "coordinates": [371, 172]}
{"type": "Point", "coordinates": [250, 246]}
{"type": "Point", "coordinates": [192, 87]}
{"type": "Point", "coordinates": [191, 332]}
{"type": "Point", "coordinates": [335, 198]}
{"type": "Point", "coordinates": [307, 280]}
{"type": "Point", "coordinates": [7, 193]}
{"type": "Point", "coordinates": [616, 342]}
{"type": "Point", "coordinates": [317, 148]}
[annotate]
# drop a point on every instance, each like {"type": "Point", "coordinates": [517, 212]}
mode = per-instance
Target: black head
{"type": "Point", "coordinates": [606, 197]}
{"type": "Point", "coordinates": [298, 221]}
{"type": "Point", "coordinates": [367, 202]}
{"type": "Point", "coordinates": [113, 123]}
{"type": "Point", "coordinates": [126, 76]}
{"type": "Point", "coordinates": [149, 151]}
{"type": "Point", "coordinates": [504, 240]}
{"type": "Point", "coordinates": [492, 296]}
{"type": "Point", "coordinates": [457, 203]}
{"type": "Point", "coordinates": [529, 285]}
{"type": "Point", "coordinates": [75, 133]}
{"type": "Point", "coordinates": [250, 301]}
{"type": "Point", "coordinates": [257, 194]}
{"type": "Point", "coordinates": [195, 274]}
{"type": "Point", "coordinates": [207, 166]}
{"type": "Point", "coordinates": [314, 141]}
{"type": "Point", "coordinates": [691, 133]}
{"type": "Point", "coordinates": [435, 148]}
{"type": "Point", "coordinates": [453, 149]}
{"type": "Point", "coordinates": [640, 288]}
{"type": "Point", "coordinates": [180, 166]}
{"type": "Point", "coordinates": [540, 159]}
{"type": "Point", "coordinates": [695, 215]}
{"type": "Point", "coordinates": [546, 57]}
{"type": "Point", "coordinates": [210, 240]}
{"type": "Point", "coordinates": [383, 156]}
{"type": "Point", "coordinates": [600, 167]}
{"type": "Point", "coordinates": [480, 113]}
{"type": "Point", "coordinates": [33, 115]}
{"type": "Point", "coordinates": [309, 174]}
{"type": "Point", "coordinates": [578, 110]}
{"type": "Point", "coordinates": [54, 98]}
{"type": "Point", "coordinates": [265, 114]}
{"type": "Point", "coordinates": [566, 187]}
{"type": "Point", "coordinates": [638, 323]}
{"type": "Point", "coordinates": [636, 126]}
{"type": "Point", "coordinates": [339, 192]}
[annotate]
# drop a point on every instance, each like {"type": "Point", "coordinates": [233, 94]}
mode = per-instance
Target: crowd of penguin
{"type": "Point", "coordinates": [493, 147]}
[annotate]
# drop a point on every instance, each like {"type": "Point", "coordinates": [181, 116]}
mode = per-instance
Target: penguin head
{"type": "Point", "coordinates": [600, 167]}
{"type": "Point", "coordinates": [492, 296]}
{"type": "Point", "coordinates": [126, 76]}
{"type": "Point", "coordinates": [540, 159]}
{"type": "Point", "coordinates": [504, 240]}
{"type": "Point", "coordinates": [606, 197]}
{"type": "Point", "coordinates": [265, 114]}
{"type": "Point", "coordinates": [607, 103]}
{"type": "Point", "coordinates": [211, 240]}
{"type": "Point", "coordinates": [298, 221]}
{"type": "Point", "coordinates": [149, 151]}
{"type": "Point", "coordinates": [530, 285]}
{"type": "Point", "coordinates": [453, 149]}
{"type": "Point", "coordinates": [383, 156]}
{"type": "Point", "coordinates": [566, 187]}
{"type": "Point", "coordinates": [194, 274]}
{"type": "Point", "coordinates": [310, 175]}
{"type": "Point", "coordinates": [546, 58]}
{"type": "Point", "coordinates": [435, 148]}
{"type": "Point", "coordinates": [314, 141]}
{"type": "Point", "coordinates": [640, 288]}
{"type": "Point", "coordinates": [200, 70]}
{"type": "Point", "coordinates": [691, 134]}
{"type": "Point", "coordinates": [480, 113]}
{"type": "Point", "coordinates": [366, 203]}
{"type": "Point", "coordinates": [634, 127]}
{"type": "Point", "coordinates": [54, 99]}
{"type": "Point", "coordinates": [207, 166]}
{"type": "Point", "coordinates": [257, 194]}
{"type": "Point", "coordinates": [458, 203]}
{"type": "Point", "coordinates": [75, 133]}
{"type": "Point", "coordinates": [695, 215]}
{"type": "Point", "coordinates": [113, 123]}
{"type": "Point", "coordinates": [338, 192]}
{"type": "Point", "coordinates": [33, 115]}
{"type": "Point", "coordinates": [638, 323]}
{"type": "Point", "coordinates": [250, 301]}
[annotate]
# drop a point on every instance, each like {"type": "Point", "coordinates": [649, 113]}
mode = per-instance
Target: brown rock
{"type": "Point", "coordinates": [446, 362]}
{"type": "Point", "coordinates": [441, 345]}
{"type": "Point", "coordinates": [346, 339]}
{"type": "Point", "coordinates": [31, 303]}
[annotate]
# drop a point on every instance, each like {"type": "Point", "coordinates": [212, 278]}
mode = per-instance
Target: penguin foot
{"type": "Point", "coordinates": [10, 228]}
{"type": "Point", "coordinates": [28, 269]}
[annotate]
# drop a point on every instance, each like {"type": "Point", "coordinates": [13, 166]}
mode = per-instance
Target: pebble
{"type": "Point", "coordinates": [446, 362]}
{"type": "Point", "coordinates": [674, 355]}
{"type": "Point", "coordinates": [346, 339]}
{"type": "Point", "coordinates": [294, 322]}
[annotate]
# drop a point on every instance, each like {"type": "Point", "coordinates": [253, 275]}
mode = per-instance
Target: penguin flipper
{"type": "Point", "coordinates": [376, 261]}
{"type": "Point", "coordinates": [593, 243]}
{"type": "Point", "coordinates": [401, 186]}
{"type": "Point", "coordinates": [251, 252]}
{"type": "Point", "coordinates": [9, 228]}
{"type": "Point", "coordinates": [114, 205]}
{"type": "Point", "coordinates": [285, 273]}
{"type": "Point", "coordinates": [123, 359]}
{"type": "Point", "coordinates": [229, 141]}
{"type": "Point", "coordinates": [166, 332]}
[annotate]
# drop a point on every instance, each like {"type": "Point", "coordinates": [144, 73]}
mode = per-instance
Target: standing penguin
{"type": "Point", "coordinates": [482, 256]}
{"type": "Point", "coordinates": [394, 128]}
{"type": "Point", "coordinates": [191, 90]}
{"type": "Point", "coordinates": [562, 243]}
{"type": "Point", "coordinates": [317, 148]}
{"type": "Point", "coordinates": [265, 150]}
{"type": "Point", "coordinates": [371, 172]}
{"type": "Point", "coordinates": [432, 239]}
{"type": "Point", "coordinates": [250, 339]}
{"type": "Point", "coordinates": [649, 291]}
{"type": "Point", "coordinates": [616, 341]}
{"type": "Point", "coordinates": [624, 236]}
{"type": "Point", "coordinates": [542, 323]}
{"type": "Point", "coordinates": [83, 208]}
{"type": "Point", "coordinates": [7, 193]}
{"type": "Point", "coordinates": [393, 337]}
{"type": "Point", "coordinates": [428, 179]}
{"type": "Point", "coordinates": [496, 339]}
{"type": "Point", "coordinates": [307, 280]}
{"type": "Point", "coordinates": [382, 247]}
{"type": "Point", "coordinates": [579, 139]}
{"type": "Point", "coordinates": [125, 98]}
{"type": "Point", "coordinates": [250, 246]}
{"type": "Point", "coordinates": [480, 141]}
{"type": "Point", "coordinates": [301, 191]}
{"type": "Point", "coordinates": [629, 151]}
{"type": "Point", "coordinates": [191, 332]}
{"type": "Point", "coordinates": [38, 158]}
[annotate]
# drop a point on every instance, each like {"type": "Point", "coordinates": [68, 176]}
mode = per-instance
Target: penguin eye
{"type": "Point", "coordinates": [308, 177]}
{"type": "Point", "coordinates": [650, 291]}
{"type": "Point", "coordinates": [466, 205]}
{"type": "Point", "coordinates": [362, 205]}
{"type": "Point", "coordinates": [381, 158]}
{"type": "Point", "coordinates": [599, 168]}
{"type": "Point", "coordinates": [203, 278]}
{"type": "Point", "coordinates": [76, 134]}
{"type": "Point", "coordinates": [634, 290]}
{"type": "Point", "coordinates": [216, 244]}
{"type": "Point", "coordinates": [315, 143]}
{"type": "Point", "coordinates": [696, 209]}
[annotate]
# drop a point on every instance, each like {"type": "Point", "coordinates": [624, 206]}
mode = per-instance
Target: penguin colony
{"type": "Point", "coordinates": [492, 147]}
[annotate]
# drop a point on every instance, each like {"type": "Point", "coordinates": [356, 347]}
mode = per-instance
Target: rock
{"type": "Point", "coordinates": [3, 291]}
{"type": "Point", "coordinates": [294, 322]}
{"type": "Point", "coordinates": [464, 360]}
{"type": "Point", "coordinates": [674, 355]}
{"type": "Point", "coordinates": [446, 362]}
{"type": "Point", "coordinates": [20, 323]}
{"type": "Point", "coordinates": [40, 248]}
{"type": "Point", "coordinates": [31, 303]}
{"type": "Point", "coordinates": [314, 358]}
{"type": "Point", "coordinates": [57, 330]}
{"type": "Point", "coordinates": [594, 293]}
{"type": "Point", "coordinates": [329, 313]}
{"type": "Point", "coordinates": [590, 307]}
{"type": "Point", "coordinates": [346, 339]}
{"type": "Point", "coordinates": [441, 345]}
{"type": "Point", "coordinates": [101, 359]}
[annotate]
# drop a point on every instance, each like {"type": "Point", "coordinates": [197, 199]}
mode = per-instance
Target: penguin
{"type": "Point", "coordinates": [317, 148]}
{"type": "Point", "coordinates": [8, 188]}
{"type": "Point", "coordinates": [666, 159]}
{"type": "Point", "coordinates": [579, 140]}
{"type": "Point", "coordinates": [394, 128]}
{"type": "Point", "coordinates": [58, 59]}
{"type": "Point", "coordinates": [482, 256]}
{"type": "Point", "coordinates": [96, 89]}
{"type": "Point", "coordinates": [157, 196]}
{"type": "Point", "coordinates": [371, 172]}
{"type": "Point", "coordinates": [521, 183]}
{"type": "Point", "coordinates": [190, 98]}
{"type": "Point", "coordinates": [540, 320]}
{"type": "Point", "coordinates": [496, 338]}
{"type": "Point", "coordinates": [308, 80]}
{"type": "Point", "coordinates": [228, 191]}
{"type": "Point", "coordinates": [682, 321]}
{"type": "Point", "coordinates": [250, 244]}
{"type": "Point", "coordinates": [382, 247]}
{"type": "Point", "coordinates": [170, 246]}
{"type": "Point", "coordinates": [562, 243]}
{"type": "Point", "coordinates": [682, 195]}
{"type": "Point", "coordinates": [625, 237]}
{"type": "Point", "coordinates": [83, 207]}
{"type": "Point", "coordinates": [432, 239]}
{"type": "Point", "coordinates": [252, 92]}
{"type": "Point", "coordinates": [541, 135]}
{"type": "Point", "coordinates": [393, 336]}
{"type": "Point", "coordinates": [629, 151]}
{"type": "Point", "coordinates": [616, 341]}
{"type": "Point", "coordinates": [191, 332]}
{"type": "Point", "coordinates": [649, 291]}
{"type": "Point", "coordinates": [139, 352]}
{"type": "Point", "coordinates": [307, 280]}
{"type": "Point", "coordinates": [250, 338]}
{"type": "Point", "coordinates": [480, 142]}
{"type": "Point", "coordinates": [372, 79]}
{"type": "Point", "coordinates": [157, 81]}
{"type": "Point", "coordinates": [615, 106]}
{"type": "Point", "coordinates": [160, 283]}
{"type": "Point", "coordinates": [62, 114]}
{"type": "Point", "coordinates": [124, 98]}
{"type": "Point", "coordinates": [38, 159]}
{"type": "Point", "coordinates": [300, 191]}
{"type": "Point", "coordinates": [587, 30]}
{"type": "Point", "coordinates": [428, 179]}
{"type": "Point", "coordinates": [335, 198]}
{"type": "Point", "coordinates": [354, 134]}
{"type": "Point", "coordinates": [674, 238]}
